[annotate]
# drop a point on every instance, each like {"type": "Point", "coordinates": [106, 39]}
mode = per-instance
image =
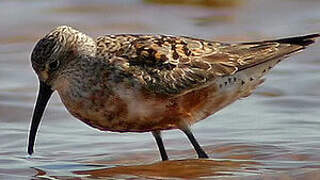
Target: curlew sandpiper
{"type": "Point", "coordinates": [149, 83]}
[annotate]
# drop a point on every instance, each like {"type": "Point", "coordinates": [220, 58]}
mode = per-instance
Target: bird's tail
{"type": "Point", "coordinates": [252, 73]}
{"type": "Point", "coordinates": [299, 40]}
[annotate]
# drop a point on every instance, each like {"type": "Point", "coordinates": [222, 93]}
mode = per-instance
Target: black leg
{"type": "Point", "coordinates": [201, 153]}
{"type": "Point", "coordinates": [157, 136]}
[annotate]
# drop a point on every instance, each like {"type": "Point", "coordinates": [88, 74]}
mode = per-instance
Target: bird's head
{"type": "Point", "coordinates": [60, 46]}
{"type": "Point", "coordinates": [51, 54]}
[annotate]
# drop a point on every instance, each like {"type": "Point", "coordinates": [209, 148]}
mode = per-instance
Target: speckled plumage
{"type": "Point", "coordinates": [174, 65]}
{"type": "Point", "coordinates": [139, 83]}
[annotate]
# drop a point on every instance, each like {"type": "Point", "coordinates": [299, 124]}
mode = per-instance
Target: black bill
{"type": "Point", "coordinates": [44, 95]}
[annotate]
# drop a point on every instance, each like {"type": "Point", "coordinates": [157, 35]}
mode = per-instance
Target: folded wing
{"type": "Point", "coordinates": [176, 65]}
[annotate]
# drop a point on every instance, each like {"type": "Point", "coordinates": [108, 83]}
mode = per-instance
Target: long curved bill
{"type": "Point", "coordinates": [44, 95]}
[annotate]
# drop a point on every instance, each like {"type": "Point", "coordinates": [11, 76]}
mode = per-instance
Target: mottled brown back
{"type": "Point", "coordinates": [176, 65]}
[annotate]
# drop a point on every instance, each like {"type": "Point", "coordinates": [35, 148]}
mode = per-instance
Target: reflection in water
{"type": "Point", "coordinates": [274, 134]}
{"type": "Point", "coordinates": [235, 161]}
{"type": "Point", "coordinates": [177, 169]}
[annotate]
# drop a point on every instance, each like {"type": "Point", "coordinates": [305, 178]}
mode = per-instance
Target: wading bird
{"type": "Point", "coordinates": [149, 83]}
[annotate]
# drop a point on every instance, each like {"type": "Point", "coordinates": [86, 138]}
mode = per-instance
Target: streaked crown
{"type": "Point", "coordinates": [58, 47]}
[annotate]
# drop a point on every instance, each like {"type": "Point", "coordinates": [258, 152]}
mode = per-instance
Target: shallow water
{"type": "Point", "coordinates": [273, 134]}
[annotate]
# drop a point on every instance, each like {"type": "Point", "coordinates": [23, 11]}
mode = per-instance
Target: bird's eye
{"type": "Point", "coordinates": [54, 65]}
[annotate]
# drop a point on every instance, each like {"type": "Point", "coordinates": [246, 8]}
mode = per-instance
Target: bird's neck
{"type": "Point", "coordinates": [83, 44]}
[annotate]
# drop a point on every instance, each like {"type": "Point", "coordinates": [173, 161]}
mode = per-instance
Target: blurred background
{"type": "Point", "coordinates": [273, 134]}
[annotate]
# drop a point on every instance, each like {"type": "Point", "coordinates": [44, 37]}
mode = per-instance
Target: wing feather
{"type": "Point", "coordinates": [175, 65]}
